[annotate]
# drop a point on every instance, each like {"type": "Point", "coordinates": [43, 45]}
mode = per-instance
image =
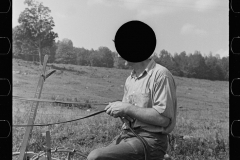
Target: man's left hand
{"type": "Point", "coordinates": [117, 109]}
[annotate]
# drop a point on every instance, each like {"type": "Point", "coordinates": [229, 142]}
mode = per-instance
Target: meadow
{"type": "Point", "coordinates": [202, 129]}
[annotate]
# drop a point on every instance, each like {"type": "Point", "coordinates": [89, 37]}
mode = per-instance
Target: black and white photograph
{"type": "Point", "coordinates": [120, 80]}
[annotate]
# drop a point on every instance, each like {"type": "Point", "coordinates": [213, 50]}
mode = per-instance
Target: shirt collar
{"type": "Point", "coordinates": [148, 69]}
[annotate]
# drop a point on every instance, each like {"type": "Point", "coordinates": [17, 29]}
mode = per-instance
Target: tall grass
{"type": "Point", "coordinates": [190, 140]}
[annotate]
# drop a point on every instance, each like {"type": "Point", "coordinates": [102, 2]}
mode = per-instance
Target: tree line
{"type": "Point", "coordinates": [34, 37]}
{"type": "Point", "coordinates": [184, 65]}
{"type": "Point", "coordinates": [195, 65]}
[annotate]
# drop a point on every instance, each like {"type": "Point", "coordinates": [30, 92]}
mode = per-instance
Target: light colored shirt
{"type": "Point", "coordinates": [153, 88]}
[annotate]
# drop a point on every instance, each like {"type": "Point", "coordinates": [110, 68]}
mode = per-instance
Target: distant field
{"type": "Point", "coordinates": [203, 110]}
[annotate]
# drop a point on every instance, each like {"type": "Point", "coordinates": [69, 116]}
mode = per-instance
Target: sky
{"type": "Point", "coordinates": [179, 25]}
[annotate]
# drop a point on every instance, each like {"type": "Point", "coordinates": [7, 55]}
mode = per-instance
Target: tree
{"type": "Point", "coordinates": [22, 49]}
{"type": "Point", "coordinates": [166, 60]}
{"type": "Point", "coordinates": [52, 52]}
{"type": "Point", "coordinates": [65, 52]}
{"type": "Point", "coordinates": [95, 59]}
{"type": "Point", "coordinates": [35, 29]}
{"type": "Point", "coordinates": [197, 66]}
{"type": "Point", "coordinates": [82, 56]}
{"type": "Point", "coordinates": [16, 43]}
{"type": "Point", "coordinates": [224, 64]}
{"type": "Point", "coordinates": [107, 57]}
{"type": "Point", "coordinates": [181, 61]}
{"type": "Point", "coordinates": [214, 69]}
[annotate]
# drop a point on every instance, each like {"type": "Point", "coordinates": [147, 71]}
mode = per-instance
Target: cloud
{"type": "Point", "coordinates": [203, 5]}
{"type": "Point", "coordinates": [133, 4]}
{"type": "Point", "coordinates": [189, 29]}
{"type": "Point", "coordinates": [153, 11]}
{"type": "Point", "coordinates": [143, 8]}
{"type": "Point", "coordinates": [104, 2]}
{"type": "Point", "coordinates": [92, 2]}
{"type": "Point", "coordinates": [222, 52]}
{"type": "Point", "coordinates": [148, 8]}
{"type": "Point", "coordinates": [166, 6]}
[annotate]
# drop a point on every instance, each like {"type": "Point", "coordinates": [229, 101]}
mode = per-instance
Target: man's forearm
{"type": "Point", "coordinates": [147, 115]}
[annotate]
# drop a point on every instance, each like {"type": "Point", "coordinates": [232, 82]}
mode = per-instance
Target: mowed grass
{"type": "Point", "coordinates": [202, 120]}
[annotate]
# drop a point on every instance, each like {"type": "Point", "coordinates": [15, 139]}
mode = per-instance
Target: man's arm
{"type": "Point", "coordinates": [161, 112]}
{"type": "Point", "coordinates": [147, 115]}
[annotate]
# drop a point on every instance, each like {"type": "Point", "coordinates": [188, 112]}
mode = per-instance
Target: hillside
{"type": "Point", "coordinates": [203, 105]}
{"type": "Point", "coordinates": [106, 84]}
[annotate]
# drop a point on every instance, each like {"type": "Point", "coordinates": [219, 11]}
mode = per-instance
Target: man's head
{"type": "Point", "coordinates": [135, 41]}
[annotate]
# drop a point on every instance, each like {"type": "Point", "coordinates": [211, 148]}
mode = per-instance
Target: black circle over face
{"type": "Point", "coordinates": [135, 41]}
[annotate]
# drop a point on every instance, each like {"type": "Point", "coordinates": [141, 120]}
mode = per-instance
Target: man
{"type": "Point", "coordinates": [150, 102]}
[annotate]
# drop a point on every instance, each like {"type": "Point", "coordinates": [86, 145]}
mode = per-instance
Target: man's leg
{"type": "Point", "coordinates": [126, 146]}
{"type": "Point", "coordinates": [129, 148]}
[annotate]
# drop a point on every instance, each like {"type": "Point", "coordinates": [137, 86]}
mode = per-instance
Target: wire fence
{"type": "Point", "coordinates": [26, 111]}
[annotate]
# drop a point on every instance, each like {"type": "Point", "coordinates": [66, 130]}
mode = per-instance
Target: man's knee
{"type": "Point", "coordinates": [95, 155]}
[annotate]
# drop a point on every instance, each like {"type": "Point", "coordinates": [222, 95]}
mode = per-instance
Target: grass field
{"type": "Point", "coordinates": [202, 122]}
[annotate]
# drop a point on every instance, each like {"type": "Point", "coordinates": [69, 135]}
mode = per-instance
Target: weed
{"type": "Point", "coordinates": [98, 131]}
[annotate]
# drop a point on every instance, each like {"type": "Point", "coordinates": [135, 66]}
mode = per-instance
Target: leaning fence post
{"type": "Point", "coordinates": [33, 111]}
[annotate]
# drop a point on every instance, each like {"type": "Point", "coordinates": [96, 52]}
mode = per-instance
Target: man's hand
{"type": "Point", "coordinates": [117, 109]}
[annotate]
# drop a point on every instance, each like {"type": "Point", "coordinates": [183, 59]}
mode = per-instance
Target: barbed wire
{"type": "Point", "coordinates": [62, 102]}
{"type": "Point", "coordinates": [47, 114]}
{"type": "Point", "coordinates": [59, 101]}
{"type": "Point", "coordinates": [49, 124]}
{"type": "Point", "coordinates": [55, 101]}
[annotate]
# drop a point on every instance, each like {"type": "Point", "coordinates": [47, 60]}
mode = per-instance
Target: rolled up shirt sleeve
{"type": "Point", "coordinates": [164, 95]}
